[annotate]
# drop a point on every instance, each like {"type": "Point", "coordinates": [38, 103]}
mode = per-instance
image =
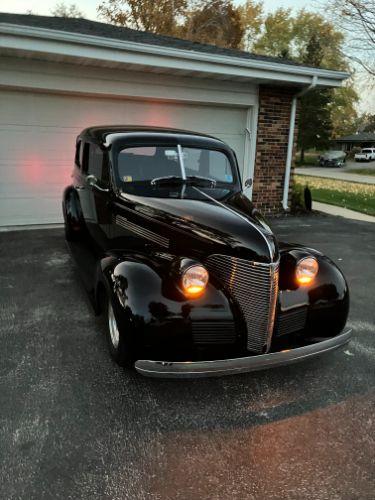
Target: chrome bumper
{"type": "Point", "coordinates": [197, 369]}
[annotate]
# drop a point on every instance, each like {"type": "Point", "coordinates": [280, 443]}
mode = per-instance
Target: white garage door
{"type": "Point", "coordinates": [37, 138]}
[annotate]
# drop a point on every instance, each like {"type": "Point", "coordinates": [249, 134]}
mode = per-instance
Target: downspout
{"type": "Point", "coordinates": [289, 154]}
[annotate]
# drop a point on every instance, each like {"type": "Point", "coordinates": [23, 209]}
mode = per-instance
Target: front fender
{"type": "Point", "coordinates": [325, 301]}
{"type": "Point", "coordinates": [151, 308]}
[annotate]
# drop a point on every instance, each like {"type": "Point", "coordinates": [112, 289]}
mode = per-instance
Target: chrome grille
{"type": "Point", "coordinates": [212, 332]}
{"type": "Point", "coordinates": [254, 287]}
{"type": "Point", "coordinates": [291, 321]}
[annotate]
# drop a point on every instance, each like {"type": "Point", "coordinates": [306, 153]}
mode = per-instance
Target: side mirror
{"type": "Point", "coordinates": [94, 182]}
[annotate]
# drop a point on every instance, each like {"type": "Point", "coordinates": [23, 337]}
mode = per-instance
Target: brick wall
{"type": "Point", "coordinates": [272, 143]}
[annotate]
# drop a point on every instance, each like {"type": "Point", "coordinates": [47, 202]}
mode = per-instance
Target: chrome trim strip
{"type": "Point", "coordinates": [199, 369]}
{"type": "Point", "coordinates": [141, 231]}
{"type": "Point", "coordinates": [241, 217]}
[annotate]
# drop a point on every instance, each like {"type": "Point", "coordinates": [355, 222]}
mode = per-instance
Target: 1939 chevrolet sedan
{"type": "Point", "coordinates": [187, 275]}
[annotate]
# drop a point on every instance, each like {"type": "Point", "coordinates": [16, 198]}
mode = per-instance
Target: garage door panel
{"type": "Point", "coordinates": [34, 210]}
{"type": "Point", "coordinates": [38, 134]}
{"type": "Point", "coordinates": [61, 111]}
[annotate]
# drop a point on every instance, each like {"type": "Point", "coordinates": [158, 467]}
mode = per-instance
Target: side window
{"type": "Point", "coordinates": [84, 156]}
{"type": "Point", "coordinates": [95, 163]}
{"type": "Point", "coordinates": [77, 159]}
{"type": "Point", "coordinates": [220, 168]}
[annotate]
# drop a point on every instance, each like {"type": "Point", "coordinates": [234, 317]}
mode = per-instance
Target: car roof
{"type": "Point", "coordinates": [100, 132]}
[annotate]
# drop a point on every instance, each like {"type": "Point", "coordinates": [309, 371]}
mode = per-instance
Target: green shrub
{"type": "Point", "coordinates": [297, 200]}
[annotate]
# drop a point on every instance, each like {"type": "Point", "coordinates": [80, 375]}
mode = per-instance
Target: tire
{"type": "Point", "coordinates": [118, 344]}
{"type": "Point", "coordinates": [71, 234]}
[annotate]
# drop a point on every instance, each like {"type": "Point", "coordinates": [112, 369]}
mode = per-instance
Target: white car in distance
{"type": "Point", "coordinates": [366, 154]}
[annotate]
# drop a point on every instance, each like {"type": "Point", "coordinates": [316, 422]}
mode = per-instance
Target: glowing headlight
{"type": "Point", "coordinates": [306, 270]}
{"type": "Point", "coordinates": [194, 280]}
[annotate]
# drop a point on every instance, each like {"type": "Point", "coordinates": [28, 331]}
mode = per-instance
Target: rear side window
{"type": "Point", "coordinates": [77, 158]}
{"type": "Point", "coordinates": [95, 163]}
{"type": "Point", "coordinates": [84, 156]}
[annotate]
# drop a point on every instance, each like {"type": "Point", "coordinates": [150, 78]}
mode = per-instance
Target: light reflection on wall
{"type": "Point", "coordinates": [32, 171]}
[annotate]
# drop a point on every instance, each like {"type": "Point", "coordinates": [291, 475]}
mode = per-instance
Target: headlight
{"type": "Point", "coordinates": [194, 281]}
{"type": "Point", "coordinates": [306, 270]}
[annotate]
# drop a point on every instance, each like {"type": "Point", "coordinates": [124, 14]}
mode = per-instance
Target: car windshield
{"type": "Point", "coordinates": [333, 154]}
{"type": "Point", "coordinates": [174, 171]}
{"type": "Point", "coordinates": [366, 151]}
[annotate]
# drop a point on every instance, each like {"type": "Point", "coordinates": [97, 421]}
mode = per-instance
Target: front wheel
{"type": "Point", "coordinates": [119, 347]}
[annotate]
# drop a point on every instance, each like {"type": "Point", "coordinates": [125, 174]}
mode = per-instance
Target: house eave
{"type": "Point", "coordinates": [41, 43]}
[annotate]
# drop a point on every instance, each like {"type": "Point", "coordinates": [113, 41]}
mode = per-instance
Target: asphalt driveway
{"type": "Point", "coordinates": [75, 426]}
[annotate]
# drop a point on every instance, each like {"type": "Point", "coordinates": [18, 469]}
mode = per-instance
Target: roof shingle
{"type": "Point", "coordinates": [94, 28]}
{"type": "Point", "coordinates": [361, 137]}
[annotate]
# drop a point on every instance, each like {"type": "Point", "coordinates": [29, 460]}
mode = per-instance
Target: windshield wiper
{"type": "Point", "coordinates": [190, 180]}
{"type": "Point", "coordinates": [203, 180]}
{"type": "Point", "coordinates": [168, 179]}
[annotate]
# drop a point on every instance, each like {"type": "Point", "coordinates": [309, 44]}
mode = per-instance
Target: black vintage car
{"type": "Point", "coordinates": [186, 273]}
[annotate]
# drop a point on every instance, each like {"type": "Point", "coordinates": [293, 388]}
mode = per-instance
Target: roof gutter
{"type": "Point", "coordinates": [289, 155]}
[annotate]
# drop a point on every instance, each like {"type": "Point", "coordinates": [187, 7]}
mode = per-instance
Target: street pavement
{"type": "Point", "coordinates": [340, 173]}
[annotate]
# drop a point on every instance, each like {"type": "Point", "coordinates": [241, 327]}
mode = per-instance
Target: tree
{"type": "Point", "coordinates": [308, 38]}
{"type": "Point", "coordinates": [162, 17]}
{"type": "Point", "coordinates": [366, 123]}
{"type": "Point", "coordinates": [315, 123]}
{"type": "Point", "coordinates": [344, 115]}
{"type": "Point", "coordinates": [252, 18]}
{"type": "Point", "coordinates": [357, 19]}
{"type": "Point", "coordinates": [277, 34]}
{"type": "Point", "coordinates": [288, 35]}
{"type": "Point", "coordinates": [63, 10]}
{"type": "Point", "coordinates": [216, 22]}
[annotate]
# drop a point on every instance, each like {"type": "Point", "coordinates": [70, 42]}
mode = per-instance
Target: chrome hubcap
{"type": "Point", "coordinates": [113, 328]}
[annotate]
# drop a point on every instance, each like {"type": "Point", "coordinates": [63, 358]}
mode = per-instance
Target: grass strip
{"type": "Point", "coordinates": [352, 195]}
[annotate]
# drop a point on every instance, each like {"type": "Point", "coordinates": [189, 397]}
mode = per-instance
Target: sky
{"type": "Point", "coordinates": [88, 7]}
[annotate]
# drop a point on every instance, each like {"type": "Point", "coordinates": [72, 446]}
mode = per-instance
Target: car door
{"type": "Point", "coordinates": [94, 195]}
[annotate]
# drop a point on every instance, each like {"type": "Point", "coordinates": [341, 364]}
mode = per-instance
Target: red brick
{"type": "Point", "coordinates": [271, 150]}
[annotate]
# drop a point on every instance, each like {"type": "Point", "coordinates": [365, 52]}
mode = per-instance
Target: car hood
{"type": "Point", "coordinates": [205, 226]}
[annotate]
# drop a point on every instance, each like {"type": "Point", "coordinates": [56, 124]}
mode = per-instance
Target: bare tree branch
{"type": "Point", "coordinates": [357, 19]}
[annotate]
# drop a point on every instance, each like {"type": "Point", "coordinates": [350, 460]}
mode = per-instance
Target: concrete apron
{"type": "Point", "coordinates": [342, 212]}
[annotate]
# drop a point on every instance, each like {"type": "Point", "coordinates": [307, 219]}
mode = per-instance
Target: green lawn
{"type": "Point", "coordinates": [362, 171]}
{"type": "Point", "coordinates": [352, 195]}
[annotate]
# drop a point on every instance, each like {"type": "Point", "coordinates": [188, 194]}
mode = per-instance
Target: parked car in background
{"type": "Point", "coordinates": [366, 154]}
{"type": "Point", "coordinates": [332, 159]}
{"type": "Point", "coordinates": [186, 273]}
